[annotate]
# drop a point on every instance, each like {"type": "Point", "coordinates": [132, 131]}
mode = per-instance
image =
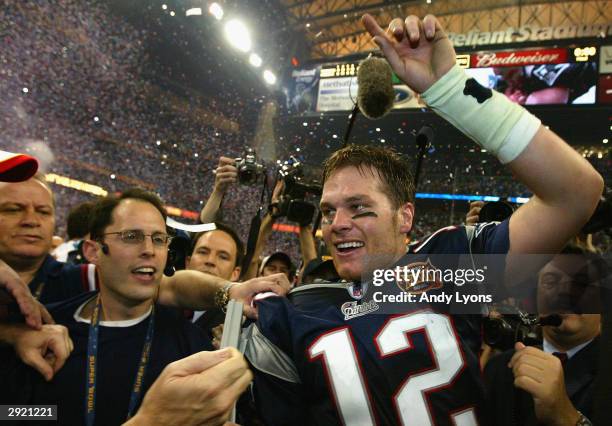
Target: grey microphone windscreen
{"type": "Point", "coordinates": [375, 94]}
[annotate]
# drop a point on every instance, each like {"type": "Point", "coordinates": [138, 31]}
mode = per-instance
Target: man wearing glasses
{"type": "Point", "coordinates": [119, 339]}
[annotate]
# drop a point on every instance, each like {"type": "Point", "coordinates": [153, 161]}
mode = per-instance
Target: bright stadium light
{"type": "Point", "coordinates": [216, 10]}
{"type": "Point", "coordinates": [269, 77]}
{"type": "Point", "coordinates": [238, 35]}
{"type": "Point", "coordinates": [194, 11]}
{"type": "Point", "coordinates": [255, 60]}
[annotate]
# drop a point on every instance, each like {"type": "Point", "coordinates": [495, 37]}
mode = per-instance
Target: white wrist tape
{"type": "Point", "coordinates": [484, 115]}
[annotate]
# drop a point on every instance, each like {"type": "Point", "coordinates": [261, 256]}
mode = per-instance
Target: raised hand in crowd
{"type": "Point", "coordinates": [226, 174]}
{"type": "Point", "coordinates": [472, 216]}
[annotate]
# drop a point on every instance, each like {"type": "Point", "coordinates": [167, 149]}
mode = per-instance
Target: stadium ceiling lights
{"type": "Point", "coordinates": [269, 77]}
{"type": "Point", "coordinates": [194, 11]}
{"type": "Point", "coordinates": [216, 10]}
{"type": "Point", "coordinates": [255, 60]}
{"type": "Point", "coordinates": [238, 35]}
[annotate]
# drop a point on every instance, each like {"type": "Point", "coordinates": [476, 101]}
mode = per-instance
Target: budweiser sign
{"type": "Point", "coordinates": [517, 59]}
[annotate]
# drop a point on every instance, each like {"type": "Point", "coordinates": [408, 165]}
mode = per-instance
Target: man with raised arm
{"type": "Point", "coordinates": [342, 360]}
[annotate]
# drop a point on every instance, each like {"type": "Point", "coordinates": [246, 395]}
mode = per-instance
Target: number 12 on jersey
{"type": "Point", "coordinates": [337, 351]}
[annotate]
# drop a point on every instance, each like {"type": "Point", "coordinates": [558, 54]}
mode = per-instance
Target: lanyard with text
{"type": "Point", "coordinates": [92, 355]}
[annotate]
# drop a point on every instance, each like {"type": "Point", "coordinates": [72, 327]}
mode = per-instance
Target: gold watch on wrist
{"type": "Point", "coordinates": [222, 296]}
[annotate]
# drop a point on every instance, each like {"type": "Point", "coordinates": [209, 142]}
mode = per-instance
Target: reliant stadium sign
{"type": "Point", "coordinates": [528, 33]}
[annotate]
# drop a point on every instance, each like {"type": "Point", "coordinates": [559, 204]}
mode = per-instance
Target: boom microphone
{"type": "Point", "coordinates": [375, 94]}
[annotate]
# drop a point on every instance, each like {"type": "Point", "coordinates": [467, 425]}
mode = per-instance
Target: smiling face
{"type": "Point", "coordinates": [27, 220]}
{"type": "Point", "coordinates": [361, 228]}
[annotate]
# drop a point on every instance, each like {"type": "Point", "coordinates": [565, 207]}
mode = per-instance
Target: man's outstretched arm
{"type": "Point", "coordinates": [196, 290]}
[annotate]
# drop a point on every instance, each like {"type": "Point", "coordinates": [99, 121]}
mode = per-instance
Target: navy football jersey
{"type": "Point", "coordinates": [57, 281]}
{"type": "Point", "coordinates": [322, 357]}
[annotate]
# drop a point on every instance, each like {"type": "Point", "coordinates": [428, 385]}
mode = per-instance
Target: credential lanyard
{"type": "Point", "coordinates": [92, 357]}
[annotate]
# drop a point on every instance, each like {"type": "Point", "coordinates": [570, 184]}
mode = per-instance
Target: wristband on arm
{"type": "Point", "coordinates": [486, 116]}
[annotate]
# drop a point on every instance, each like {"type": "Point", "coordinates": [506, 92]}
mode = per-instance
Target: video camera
{"type": "Point", "coordinates": [292, 204]}
{"type": "Point", "coordinates": [249, 170]}
{"type": "Point", "coordinates": [516, 326]}
{"type": "Point", "coordinates": [502, 333]}
{"type": "Point", "coordinates": [495, 211]}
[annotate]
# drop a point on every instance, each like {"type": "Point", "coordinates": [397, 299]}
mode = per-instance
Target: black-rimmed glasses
{"type": "Point", "coordinates": [136, 236]}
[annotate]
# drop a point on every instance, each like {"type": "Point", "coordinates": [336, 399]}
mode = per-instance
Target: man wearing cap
{"type": "Point", "coordinates": [27, 222]}
{"type": "Point", "coordinates": [17, 168]}
{"type": "Point", "coordinates": [276, 263]}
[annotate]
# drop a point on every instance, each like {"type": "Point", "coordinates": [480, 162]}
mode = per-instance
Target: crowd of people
{"type": "Point", "coordinates": [103, 119]}
{"type": "Point", "coordinates": [84, 99]}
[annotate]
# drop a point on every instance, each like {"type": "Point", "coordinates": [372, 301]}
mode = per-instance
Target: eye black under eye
{"type": "Point", "coordinates": [365, 214]}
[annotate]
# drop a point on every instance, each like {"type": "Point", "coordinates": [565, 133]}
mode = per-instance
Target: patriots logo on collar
{"type": "Point", "coordinates": [473, 88]}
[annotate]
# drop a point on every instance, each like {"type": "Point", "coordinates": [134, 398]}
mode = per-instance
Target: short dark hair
{"type": "Point", "coordinates": [392, 169]}
{"type": "Point", "coordinates": [102, 212]}
{"type": "Point", "coordinates": [228, 230]}
{"type": "Point", "coordinates": [77, 224]}
{"type": "Point", "coordinates": [602, 269]}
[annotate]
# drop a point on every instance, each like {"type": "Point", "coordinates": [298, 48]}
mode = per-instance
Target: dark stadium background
{"type": "Point", "coordinates": [126, 92]}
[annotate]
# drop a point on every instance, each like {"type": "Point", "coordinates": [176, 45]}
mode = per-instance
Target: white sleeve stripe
{"type": "Point", "coordinates": [419, 246]}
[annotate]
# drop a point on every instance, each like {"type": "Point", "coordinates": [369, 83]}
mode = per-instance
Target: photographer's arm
{"type": "Point", "coordinates": [264, 233]}
{"type": "Point", "coordinates": [265, 230]}
{"type": "Point", "coordinates": [307, 246]}
{"type": "Point", "coordinates": [225, 175]}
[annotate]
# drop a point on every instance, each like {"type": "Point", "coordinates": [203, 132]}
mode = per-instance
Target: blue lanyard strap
{"type": "Point", "coordinates": [92, 357]}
